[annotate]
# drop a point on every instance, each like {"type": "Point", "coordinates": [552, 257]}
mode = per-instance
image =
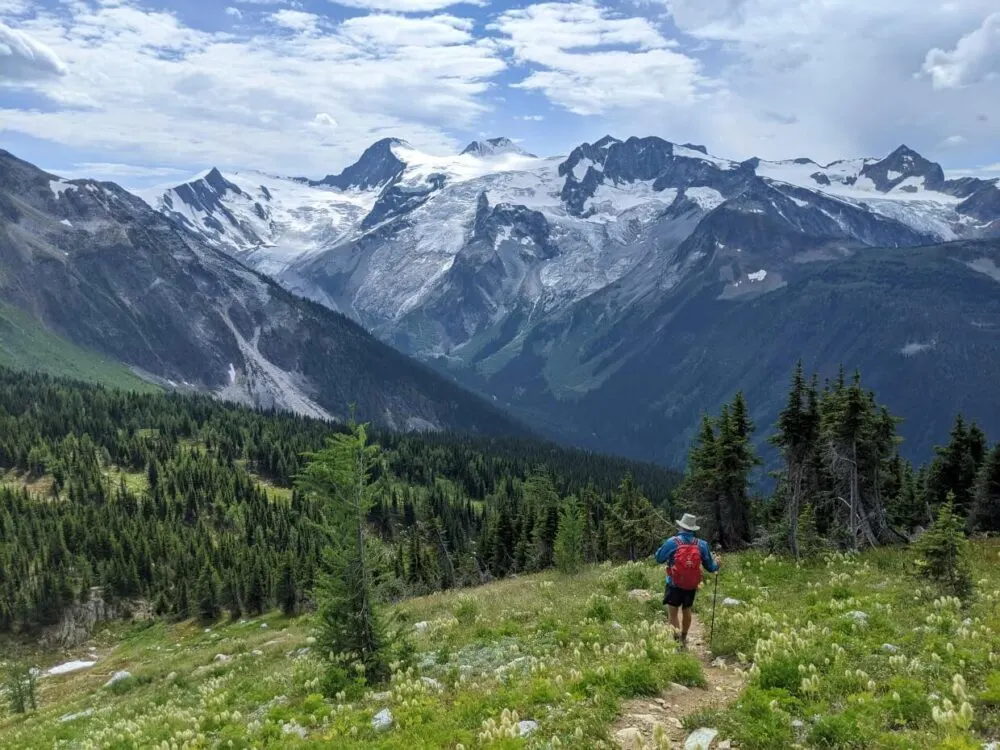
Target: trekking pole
{"type": "Point", "coordinates": [715, 596]}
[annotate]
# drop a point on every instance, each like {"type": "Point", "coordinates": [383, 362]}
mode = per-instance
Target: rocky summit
{"type": "Point", "coordinates": [612, 294]}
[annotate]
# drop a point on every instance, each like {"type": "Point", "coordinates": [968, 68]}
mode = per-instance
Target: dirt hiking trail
{"type": "Point", "coordinates": [635, 727]}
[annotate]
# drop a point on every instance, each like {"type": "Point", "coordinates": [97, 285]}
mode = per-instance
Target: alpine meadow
{"type": "Point", "coordinates": [507, 375]}
{"type": "Point", "coordinates": [181, 572]}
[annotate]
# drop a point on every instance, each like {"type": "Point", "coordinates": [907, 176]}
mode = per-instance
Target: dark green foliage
{"type": "Point", "coordinates": [943, 553]}
{"type": "Point", "coordinates": [207, 593]}
{"type": "Point", "coordinates": [352, 630]}
{"type": "Point", "coordinates": [986, 505]}
{"type": "Point", "coordinates": [634, 526]}
{"type": "Point", "coordinates": [717, 485]}
{"type": "Point", "coordinates": [569, 538]}
{"type": "Point", "coordinates": [20, 684]}
{"type": "Point", "coordinates": [287, 592]}
{"type": "Point", "coordinates": [956, 466]}
{"type": "Point", "coordinates": [153, 489]}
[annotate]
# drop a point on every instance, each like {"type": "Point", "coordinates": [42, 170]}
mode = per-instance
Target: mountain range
{"type": "Point", "coordinates": [611, 295]}
{"type": "Point", "coordinates": [95, 283]}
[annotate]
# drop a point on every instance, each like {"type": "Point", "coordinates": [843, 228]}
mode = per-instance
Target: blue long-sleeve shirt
{"type": "Point", "coordinates": [665, 554]}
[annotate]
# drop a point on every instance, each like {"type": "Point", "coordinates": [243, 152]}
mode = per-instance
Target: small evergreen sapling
{"type": "Point", "coordinates": [21, 688]}
{"type": "Point", "coordinates": [943, 553]}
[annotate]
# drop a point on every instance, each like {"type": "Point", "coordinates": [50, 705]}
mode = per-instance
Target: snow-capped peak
{"type": "Point", "coordinates": [493, 147]}
{"type": "Point", "coordinates": [378, 166]}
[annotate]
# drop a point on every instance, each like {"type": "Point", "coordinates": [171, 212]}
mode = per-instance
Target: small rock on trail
{"type": "Point", "coordinates": [701, 739]}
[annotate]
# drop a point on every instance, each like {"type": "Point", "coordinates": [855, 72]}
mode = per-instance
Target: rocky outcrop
{"type": "Point", "coordinates": [79, 620]}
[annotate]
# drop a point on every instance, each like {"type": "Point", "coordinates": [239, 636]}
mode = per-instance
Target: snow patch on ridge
{"type": "Point", "coordinates": [916, 347]}
{"type": "Point", "coordinates": [70, 666]}
{"type": "Point", "coordinates": [58, 187]}
{"type": "Point", "coordinates": [706, 197]}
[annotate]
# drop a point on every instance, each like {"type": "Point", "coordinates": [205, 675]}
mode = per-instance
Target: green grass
{"type": "Point", "coordinates": [828, 678]}
{"type": "Point", "coordinates": [25, 344]}
{"type": "Point", "coordinates": [521, 647]}
{"type": "Point", "coordinates": [565, 652]}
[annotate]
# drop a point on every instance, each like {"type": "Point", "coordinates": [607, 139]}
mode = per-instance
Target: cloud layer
{"type": "Point", "coordinates": [271, 86]}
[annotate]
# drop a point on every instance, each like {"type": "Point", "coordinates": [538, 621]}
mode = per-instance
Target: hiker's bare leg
{"type": "Point", "coordinates": [686, 624]}
{"type": "Point", "coordinates": [672, 614]}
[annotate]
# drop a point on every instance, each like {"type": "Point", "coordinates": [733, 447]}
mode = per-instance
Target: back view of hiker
{"type": "Point", "coordinates": [685, 555]}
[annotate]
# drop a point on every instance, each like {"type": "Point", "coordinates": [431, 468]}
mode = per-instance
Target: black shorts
{"type": "Point", "coordinates": [675, 597]}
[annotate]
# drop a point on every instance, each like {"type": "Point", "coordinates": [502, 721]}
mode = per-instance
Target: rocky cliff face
{"type": "Point", "coordinates": [99, 267]}
{"type": "Point", "coordinates": [82, 618]}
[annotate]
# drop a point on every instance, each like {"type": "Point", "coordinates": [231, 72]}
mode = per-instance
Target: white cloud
{"type": "Point", "coordinates": [974, 59]}
{"type": "Point", "coordinates": [296, 20]}
{"type": "Point", "coordinates": [115, 171]}
{"type": "Point", "coordinates": [590, 60]}
{"type": "Point", "coordinates": [382, 30]}
{"type": "Point", "coordinates": [234, 12]}
{"type": "Point", "coordinates": [842, 74]}
{"type": "Point", "coordinates": [23, 58]}
{"type": "Point", "coordinates": [531, 118]}
{"type": "Point", "coordinates": [406, 6]}
{"type": "Point", "coordinates": [954, 141]}
{"type": "Point", "coordinates": [324, 120]}
{"type": "Point", "coordinates": [145, 85]}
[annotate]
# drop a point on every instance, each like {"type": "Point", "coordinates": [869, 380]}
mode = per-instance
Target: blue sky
{"type": "Point", "coordinates": [149, 91]}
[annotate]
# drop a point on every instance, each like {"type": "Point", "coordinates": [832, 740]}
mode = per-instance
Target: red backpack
{"type": "Point", "coordinates": [685, 573]}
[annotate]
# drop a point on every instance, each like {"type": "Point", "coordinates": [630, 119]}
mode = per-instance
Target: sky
{"type": "Point", "coordinates": [150, 91]}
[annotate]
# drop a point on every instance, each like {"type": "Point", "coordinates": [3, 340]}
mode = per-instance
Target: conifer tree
{"type": "Point", "coordinates": [207, 593]}
{"type": "Point", "coordinates": [736, 460]}
{"type": "Point", "coordinates": [797, 435]}
{"type": "Point", "coordinates": [633, 525]}
{"type": "Point", "coordinates": [943, 553]}
{"type": "Point", "coordinates": [287, 590]}
{"type": "Point", "coordinates": [700, 489]}
{"type": "Point", "coordinates": [986, 501]}
{"type": "Point", "coordinates": [545, 500]}
{"type": "Point", "coordinates": [350, 620]}
{"type": "Point", "coordinates": [956, 467]}
{"type": "Point", "coordinates": [568, 547]}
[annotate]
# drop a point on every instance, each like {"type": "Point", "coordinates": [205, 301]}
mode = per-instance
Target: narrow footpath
{"type": "Point", "coordinates": [636, 727]}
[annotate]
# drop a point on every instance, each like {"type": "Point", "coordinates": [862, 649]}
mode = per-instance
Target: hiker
{"type": "Point", "coordinates": [684, 554]}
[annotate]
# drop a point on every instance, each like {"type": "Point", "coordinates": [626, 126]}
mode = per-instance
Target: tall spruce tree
{"type": "Point", "coordinates": [699, 491]}
{"type": "Point", "coordinates": [568, 546]}
{"type": "Point", "coordinates": [956, 467]}
{"type": "Point", "coordinates": [633, 524]}
{"type": "Point", "coordinates": [797, 437]}
{"type": "Point", "coordinates": [986, 502]}
{"type": "Point", "coordinates": [858, 439]}
{"type": "Point", "coordinates": [207, 593]}
{"type": "Point", "coordinates": [350, 621]}
{"type": "Point", "coordinates": [540, 494]}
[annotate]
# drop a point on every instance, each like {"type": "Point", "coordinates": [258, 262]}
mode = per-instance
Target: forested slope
{"type": "Point", "coordinates": [187, 502]}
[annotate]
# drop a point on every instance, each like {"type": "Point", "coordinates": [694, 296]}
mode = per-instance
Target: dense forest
{"type": "Point", "coordinates": [189, 503]}
{"type": "Point", "coordinates": [842, 482]}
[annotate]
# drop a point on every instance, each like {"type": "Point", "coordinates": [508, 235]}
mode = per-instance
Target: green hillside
{"type": "Point", "coordinates": [25, 344]}
{"type": "Point", "coordinates": [843, 652]}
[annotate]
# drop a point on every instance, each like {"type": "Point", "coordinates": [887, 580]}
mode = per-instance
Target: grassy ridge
{"type": "Point", "coordinates": [27, 345]}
